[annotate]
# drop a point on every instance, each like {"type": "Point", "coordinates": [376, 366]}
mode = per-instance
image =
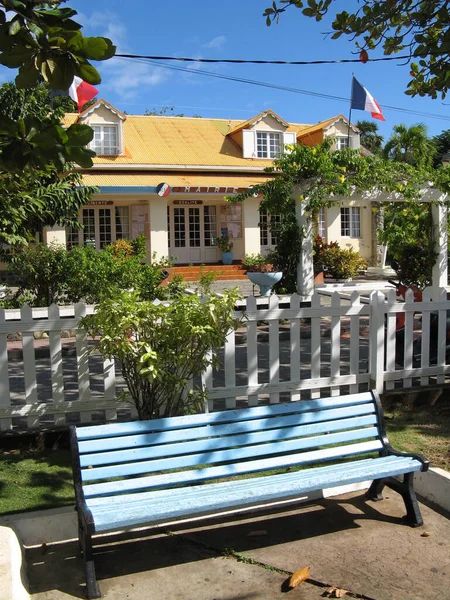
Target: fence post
{"type": "Point", "coordinates": [376, 342]}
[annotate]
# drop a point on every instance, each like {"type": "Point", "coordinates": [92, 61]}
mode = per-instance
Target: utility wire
{"type": "Point", "coordinates": [267, 62]}
{"type": "Point", "coordinates": [274, 86]}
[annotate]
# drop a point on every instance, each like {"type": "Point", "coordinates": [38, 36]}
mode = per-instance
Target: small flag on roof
{"type": "Point", "coordinates": [362, 100]}
{"type": "Point", "coordinates": [81, 92]}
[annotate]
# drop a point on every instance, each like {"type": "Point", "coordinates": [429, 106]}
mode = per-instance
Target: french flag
{"type": "Point", "coordinates": [362, 100]}
{"type": "Point", "coordinates": [81, 92]}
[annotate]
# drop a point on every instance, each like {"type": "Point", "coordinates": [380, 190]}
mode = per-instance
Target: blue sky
{"type": "Point", "coordinates": [236, 29]}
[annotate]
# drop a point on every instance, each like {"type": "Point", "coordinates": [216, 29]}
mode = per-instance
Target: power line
{"type": "Point", "coordinates": [266, 62]}
{"type": "Point", "coordinates": [275, 86]}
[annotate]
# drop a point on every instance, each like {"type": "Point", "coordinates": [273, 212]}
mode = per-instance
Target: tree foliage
{"type": "Point", "coordinates": [319, 177]}
{"type": "Point", "coordinates": [370, 138]}
{"type": "Point", "coordinates": [419, 29]}
{"type": "Point", "coordinates": [35, 191]}
{"type": "Point", "coordinates": [410, 145]}
{"type": "Point", "coordinates": [442, 144]}
{"type": "Point", "coordinates": [46, 45]}
{"type": "Point", "coordinates": [162, 346]}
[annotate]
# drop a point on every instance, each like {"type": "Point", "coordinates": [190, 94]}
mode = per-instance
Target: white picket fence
{"type": "Point", "coordinates": [285, 351]}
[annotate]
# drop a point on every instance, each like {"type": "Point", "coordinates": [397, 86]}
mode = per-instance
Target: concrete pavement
{"type": "Point", "coordinates": [349, 543]}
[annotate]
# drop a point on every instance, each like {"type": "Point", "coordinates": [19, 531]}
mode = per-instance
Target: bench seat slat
{"type": "Point", "coordinates": [145, 496]}
{"type": "Point", "coordinates": [183, 503]}
{"type": "Point", "coordinates": [233, 454]}
{"type": "Point", "coordinates": [244, 414]}
{"type": "Point", "coordinates": [248, 426]}
{"type": "Point", "coordinates": [230, 470]}
{"type": "Point", "coordinates": [230, 441]}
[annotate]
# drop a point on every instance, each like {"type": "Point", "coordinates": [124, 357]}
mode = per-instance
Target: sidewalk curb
{"type": "Point", "coordinates": [434, 485]}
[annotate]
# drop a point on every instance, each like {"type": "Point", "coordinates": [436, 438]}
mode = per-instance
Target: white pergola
{"type": "Point", "coordinates": [305, 270]}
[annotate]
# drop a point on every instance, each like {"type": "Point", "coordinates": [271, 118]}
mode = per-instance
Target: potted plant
{"type": "Point", "coordinates": [225, 245]}
{"type": "Point", "coordinates": [261, 272]}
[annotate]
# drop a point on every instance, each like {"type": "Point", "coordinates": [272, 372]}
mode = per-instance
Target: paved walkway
{"type": "Point", "coordinates": [359, 546]}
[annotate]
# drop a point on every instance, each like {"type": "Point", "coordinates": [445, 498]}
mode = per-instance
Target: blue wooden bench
{"type": "Point", "coordinates": [152, 472]}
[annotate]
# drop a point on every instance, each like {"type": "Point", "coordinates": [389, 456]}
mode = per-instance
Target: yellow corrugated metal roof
{"type": "Point", "coordinates": [162, 140]}
{"type": "Point", "coordinates": [135, 178]}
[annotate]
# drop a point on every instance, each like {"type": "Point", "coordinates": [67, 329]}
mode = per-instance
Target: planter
{"type": "Point", "coordinates": [265, 281]}
{"type": "Point", "coordinates": [227, 258]}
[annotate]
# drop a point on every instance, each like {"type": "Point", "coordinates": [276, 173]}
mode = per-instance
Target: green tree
{"type": "Point", "coordinates": [316, 176]}
{"type": "Point", "coordinates": [417, 29]}
{"type": "Point", "coordinates": [36, 196]}
{"type": "Point", "coordinates": [370, 138]}
{"type": "Point", "coordinates": [46, 45]}
{"type": "Point", "coordinates": [442, 144]}
{"type": "Point", "coordinates": [410, 145]}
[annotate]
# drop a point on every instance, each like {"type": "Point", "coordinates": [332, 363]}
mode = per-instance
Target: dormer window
{"type": "Point", "coordinates": [268, 145]}
{"type": "Point", "coordinates": [342, 142]}
{"type": "Point", "coordinates": [106, 140]}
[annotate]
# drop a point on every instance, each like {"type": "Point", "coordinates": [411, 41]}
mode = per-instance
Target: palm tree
{"type": "Point", "coordinates": [411, 145]}
{"type": "Point", "coordinates": [370, 138]}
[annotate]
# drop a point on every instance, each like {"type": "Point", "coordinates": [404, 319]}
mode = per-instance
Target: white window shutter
{"type": "Point", "coordinates": [248, 144]}
{"type": "Point", "coordinates": [289, 137]}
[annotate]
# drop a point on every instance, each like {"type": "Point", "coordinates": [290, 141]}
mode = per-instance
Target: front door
{"type": "Point", "coordinates": [186, 234]}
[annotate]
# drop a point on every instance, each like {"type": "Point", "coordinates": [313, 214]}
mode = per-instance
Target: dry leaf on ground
{"type": "Point", "coordinates": [299, 577]}
{"type": "Point", "coordinates": [334, 592]}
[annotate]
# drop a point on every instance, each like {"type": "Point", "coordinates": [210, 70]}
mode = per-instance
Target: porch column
{"type": "Point", "coordinates": [55, 235]}
{"type": "Point", "coordinates": [305, 269]}
{"type": "Point", "coordinates": [157, 213]}
{"type": "Point", "coordinates": [440, 269]}
{"type": "Point", "coordinates": [252, 240]}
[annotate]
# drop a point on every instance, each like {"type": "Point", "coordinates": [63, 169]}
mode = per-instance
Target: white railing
{"type": "Point", "coordinates": [286, 350]}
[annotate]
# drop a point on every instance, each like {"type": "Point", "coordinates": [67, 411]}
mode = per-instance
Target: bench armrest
{"type": "Point", "coordinates": [387, 448]}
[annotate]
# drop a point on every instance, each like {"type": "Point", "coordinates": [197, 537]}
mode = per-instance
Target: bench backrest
{"type": "Point", "coordinates": [146, 455]}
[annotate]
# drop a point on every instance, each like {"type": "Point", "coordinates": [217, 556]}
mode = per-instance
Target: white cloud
{"type": "Point", "coordinates": [106, 24]}
{"type": "Point", "coordinates": [216, 43]}
{"type": "Point", "coordinates": [128, 78]}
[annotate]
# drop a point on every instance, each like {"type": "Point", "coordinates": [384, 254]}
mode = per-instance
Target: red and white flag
{"type": "Point", "coordinates": [81, 92]}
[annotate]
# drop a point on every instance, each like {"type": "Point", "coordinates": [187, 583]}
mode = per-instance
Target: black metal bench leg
{"type": "Point", "coordinates": [413, 516]}
{"type": "Point", "coordinates": [85, 540]}
{"type": "Point", "coordinates": [375, 492]}
{"type": "Point", "coordinates": [405, 488]}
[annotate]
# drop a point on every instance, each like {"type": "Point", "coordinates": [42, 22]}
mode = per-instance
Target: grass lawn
{"type": "Point", "coordinates": [424, 429]}
{"type": "Point", "coordinates": [35, 480]}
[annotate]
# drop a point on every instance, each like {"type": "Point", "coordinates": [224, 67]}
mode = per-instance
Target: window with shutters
{"type": "Point", "coordinates": [268, 145]}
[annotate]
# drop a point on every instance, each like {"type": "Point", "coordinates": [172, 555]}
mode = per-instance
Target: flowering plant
{"type": "Point", "coordinates": [257, 263]}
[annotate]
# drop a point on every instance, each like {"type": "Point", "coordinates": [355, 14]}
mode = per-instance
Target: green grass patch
{"type": "Point", "coordinates": [423, 429]}
{"type": "Point", "coordinates": [35, 480]}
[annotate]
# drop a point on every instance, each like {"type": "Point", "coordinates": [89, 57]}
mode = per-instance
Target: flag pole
{"type": "Point", "coordinates": [350, 111]}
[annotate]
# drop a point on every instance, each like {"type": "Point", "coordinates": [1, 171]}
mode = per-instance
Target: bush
{"type": "Point", "coordinates": [338, 262]}
{"type": "Point", "coordinates": [39, 273]}
{"type": "Point", "coordinates": [162, 346]}
{"type": "Point", "coordinates": [52, 274]}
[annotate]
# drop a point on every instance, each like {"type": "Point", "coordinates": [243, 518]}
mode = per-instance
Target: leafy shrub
{"type": "Point", "coordinates": [39, 270]}
{"type": "Point", "coordinates": [162, 346]}
{"type": "Point", "coordinates": [52, 274]}
{"type": "Point", "coordinates": [338, 262]}
{"type": "Point", "coordinates": [224, 243]}
{"type": "Point", "coordinates": [257, 263]}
